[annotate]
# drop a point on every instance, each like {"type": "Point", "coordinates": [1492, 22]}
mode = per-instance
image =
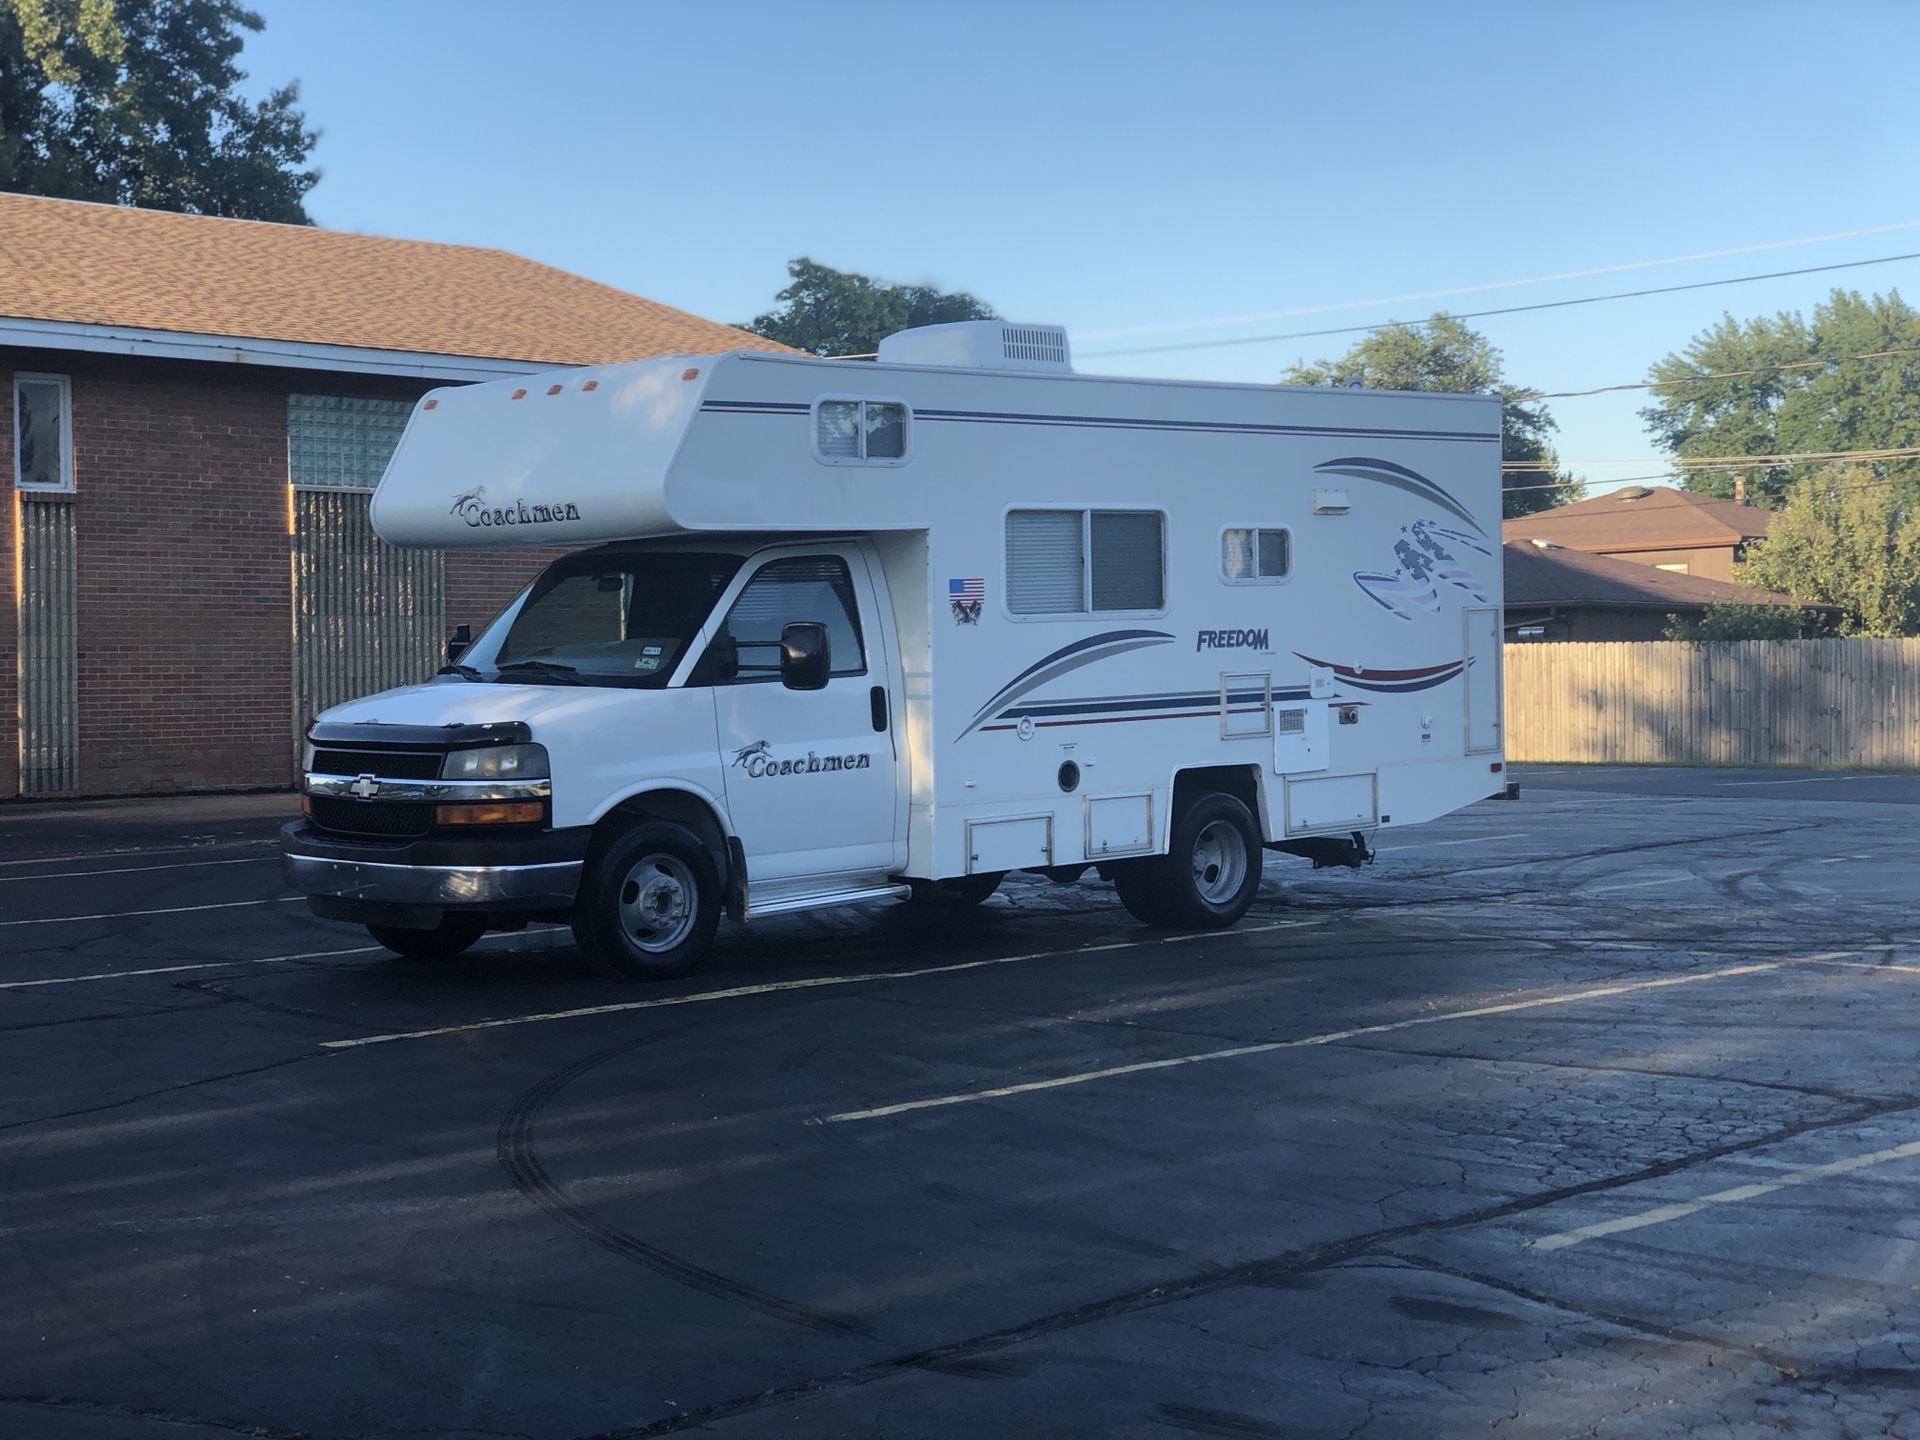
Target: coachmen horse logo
{"type": "Point", "coordinates": [466, 498]}
{"type": "Point", "coordinates": [757, 760]}
{"type": "Point", "coordinates": [747, 752]}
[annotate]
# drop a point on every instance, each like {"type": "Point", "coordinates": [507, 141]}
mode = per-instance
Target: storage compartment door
{"type": "Point", "coordinates": [1019, 844]}
{"type": "Point", "coordinates": [1119, 825]}
{"type": "Point", "coordinates": [1336, 802]}
{"type": "Point", "coordinates": [1483, 680]}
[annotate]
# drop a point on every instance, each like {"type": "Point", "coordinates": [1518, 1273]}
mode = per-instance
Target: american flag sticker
{"type": "Point", "coordinates": [966, 597]}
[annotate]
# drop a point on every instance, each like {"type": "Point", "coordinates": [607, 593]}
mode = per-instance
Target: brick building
{"type": "Point", "coordinates": [198, 410]}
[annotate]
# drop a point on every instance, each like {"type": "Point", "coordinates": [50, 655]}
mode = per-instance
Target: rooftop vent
{"type": "Point", "coordinates": [1544, 544]}
{"type": "Point", "coordinates": [1637, 492]}
{"type": "Point", "coordinates": [981, 345]}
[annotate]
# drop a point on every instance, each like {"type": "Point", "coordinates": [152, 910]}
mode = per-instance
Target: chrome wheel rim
{"type": "Point", "coordinates": [1219, 862]}
{"type": "Point", "coordinates": [658, 901]}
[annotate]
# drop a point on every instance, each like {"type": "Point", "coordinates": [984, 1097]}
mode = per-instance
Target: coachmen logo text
{"type": "Point", "coordinates": [758, 760]}
{"type": "Point", "coordinates": [471, 506]}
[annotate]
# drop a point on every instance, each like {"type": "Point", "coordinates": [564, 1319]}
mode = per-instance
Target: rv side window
{"type": "Point", "coordinates": [810, 587]}
{"type": "Point", "coordinates": [860, 432]}
{"type": "Point", "coordinates": [1248, 555]}
{"type": "Point", "coordinates": [1085, 562]}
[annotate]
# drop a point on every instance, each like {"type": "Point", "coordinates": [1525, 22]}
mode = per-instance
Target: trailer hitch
{"type": "Point", "coordinates": [1326, 852]}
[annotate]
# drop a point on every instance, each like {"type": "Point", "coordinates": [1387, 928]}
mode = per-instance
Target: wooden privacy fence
{"type": "Point", "coordinates": [1748, 702]}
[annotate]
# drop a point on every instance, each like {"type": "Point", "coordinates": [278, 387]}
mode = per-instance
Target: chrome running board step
{"type": "Point", "coordinates": [783, 897]}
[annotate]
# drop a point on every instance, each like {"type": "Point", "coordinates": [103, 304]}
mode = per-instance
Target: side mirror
{"type": "Point", "coordinates": [804, 658]}
{"type": "Point", "coordinates": [458, 642]}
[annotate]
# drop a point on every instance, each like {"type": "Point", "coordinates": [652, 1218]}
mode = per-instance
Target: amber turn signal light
{"type": "Point", "coordinates": [516, 812]}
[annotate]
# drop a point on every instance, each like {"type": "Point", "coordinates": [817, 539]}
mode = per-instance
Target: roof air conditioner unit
{"type": "Point", "coordinates": [981, 345]}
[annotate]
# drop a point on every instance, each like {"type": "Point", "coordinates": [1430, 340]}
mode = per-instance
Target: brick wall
{"type": "Point", "coordinates": [481, 582]}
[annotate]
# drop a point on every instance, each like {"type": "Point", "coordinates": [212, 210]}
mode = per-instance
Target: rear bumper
{"type": "Point", "coordinates": [532, 872]}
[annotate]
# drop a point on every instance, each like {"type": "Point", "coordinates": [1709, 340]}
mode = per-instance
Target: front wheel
{"type": "Point", "coordinates": [649, 904]}
{"type": "Point", "coordinates": [449, 938]}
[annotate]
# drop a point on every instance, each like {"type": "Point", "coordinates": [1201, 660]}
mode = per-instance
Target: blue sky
{"type": "Point", "coordinates": [1114, 166]}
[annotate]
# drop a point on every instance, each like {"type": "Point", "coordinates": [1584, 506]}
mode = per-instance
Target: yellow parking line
{"type": "Point", "coordinates": [1661, 1214]}
{"type": "Point", "coordinates": [1330, 1037]}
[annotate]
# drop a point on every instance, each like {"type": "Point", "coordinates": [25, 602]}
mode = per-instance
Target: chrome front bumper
{"type": "Point", "coordinates": [512, 887]}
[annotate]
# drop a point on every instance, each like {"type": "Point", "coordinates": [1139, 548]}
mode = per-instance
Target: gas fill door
{"type": "Point", "coordinates": [1483, 680]}
{"type": "Point", "coordinates": [810, 774]}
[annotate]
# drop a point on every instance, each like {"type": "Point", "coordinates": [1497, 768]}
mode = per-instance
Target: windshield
{"type": "Point", "coordinates": [611, 619]}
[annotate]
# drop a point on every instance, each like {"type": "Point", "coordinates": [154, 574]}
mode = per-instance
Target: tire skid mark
{"type": "Point", "coordinates": [521, 1161]}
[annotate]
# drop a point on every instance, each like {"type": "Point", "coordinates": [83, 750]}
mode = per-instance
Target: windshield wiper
{"type": "Point", "coordinates": [559, 674]}
{"type": "Point", "coordinates": [465, 672]}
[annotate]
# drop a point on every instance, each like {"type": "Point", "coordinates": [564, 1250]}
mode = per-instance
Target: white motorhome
{"type": "Point", "coordinates": [854, 630]}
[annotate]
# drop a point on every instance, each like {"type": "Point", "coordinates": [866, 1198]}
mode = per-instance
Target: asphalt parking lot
{"type": "Point", "coordinates": [1594, 1112]}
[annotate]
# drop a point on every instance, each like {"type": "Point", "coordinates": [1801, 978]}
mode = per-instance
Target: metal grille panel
{"type": "Point", "coordinates": [49, 651]}
{"type": "Point", "coordinates": [366, 615]}
{"type": "Point", "coordinates": [389, 764]}
{"type": "Point", "coordinates": [370, 817]}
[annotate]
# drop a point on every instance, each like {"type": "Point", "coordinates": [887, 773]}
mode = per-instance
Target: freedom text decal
{"type": "Point", "coordinates": [1231, 640]}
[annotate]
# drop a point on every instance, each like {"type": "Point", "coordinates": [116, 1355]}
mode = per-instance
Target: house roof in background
{"type": "Point", "coordinates": [1643, 517]}
{"type": "Point", "coordinates": [68, 261]}
{"type": "Point", "coordinates": [1538, 576]}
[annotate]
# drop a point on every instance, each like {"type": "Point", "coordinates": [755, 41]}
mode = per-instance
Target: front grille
{"type": "Point", "coordinates": [393, 764]}
{"type": "Point", "coordinates": [370, 817]}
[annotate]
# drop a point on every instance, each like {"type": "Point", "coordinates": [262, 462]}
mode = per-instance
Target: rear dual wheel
{"type": "Point", "coordinates": [1209, 875]}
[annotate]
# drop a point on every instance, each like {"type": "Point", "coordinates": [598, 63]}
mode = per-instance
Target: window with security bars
{"type": "Point", "coordinates": [342, 442]}
{"type": "Point", "coordinates": [42, 432]}
{"type": "Point", "coordinates": [853, 432]}
{"type": "Point", "coordinates": [1085, 562]}
{"type": "Point", "coordinates": [1248, 555]}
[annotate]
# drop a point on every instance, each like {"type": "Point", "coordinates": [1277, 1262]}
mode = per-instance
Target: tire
{"type": "Point", "coordinates": [449, 938]}
{"type": "Point", "coordinates": [1213, 867]}
{"type": "Point", "coordinates": [1209, 875]}
{"type": "Point", "coordinates": [1137, 883]}
{"type": "Point", "coordinates": [955, 894]}
{"type": "Point", "coordinates": [649, 903]}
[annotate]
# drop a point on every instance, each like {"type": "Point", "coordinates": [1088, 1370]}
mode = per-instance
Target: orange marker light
{"type": "Point", "coordinates": [692, 372]}
{"type": "Point", "coordinates": [591, 385]}
{"type": "Point", "coordinates": [518, 395]}
{"type": "Point", "coordinates": [516, 812]}
{"type": "Point", "coordinates": [553, 389]}
{"type": "Point", "coordinates": [430, 404]}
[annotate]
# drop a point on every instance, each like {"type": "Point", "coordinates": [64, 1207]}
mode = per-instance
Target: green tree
{"type": "Point", "coordinates": [1446, 354]}
{"type": "Point", "coordinates": [1767, 408]}
{"type": "Point", "coordinates": [136, 103]}
{"type": "Point", "coordinates": [1735, 621]}
{"type": "Point", "coordinates": [1849, 538]}
{"type": "Point", "coordinates": [836, 312]}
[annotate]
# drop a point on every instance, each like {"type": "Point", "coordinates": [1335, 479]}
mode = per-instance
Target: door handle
{"type": "Point", "coordinates": [879, 698]}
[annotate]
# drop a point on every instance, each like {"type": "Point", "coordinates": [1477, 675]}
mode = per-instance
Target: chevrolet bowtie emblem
{"type": "Point", "coordinates": [366, 787]}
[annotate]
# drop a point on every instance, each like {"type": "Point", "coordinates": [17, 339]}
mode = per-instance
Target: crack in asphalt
{"type": "Point", "coordinates": [1309, 1259]}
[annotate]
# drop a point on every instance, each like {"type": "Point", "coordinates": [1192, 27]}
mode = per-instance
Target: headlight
{"type": "Point", "coordinates": [497, 762]}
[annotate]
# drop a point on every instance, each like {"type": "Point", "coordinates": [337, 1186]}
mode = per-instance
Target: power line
{"type": "Point", "coordinates": [1254, 317]}
{"type": "Point", "coordinates": [1718, 462]}
{"type": "Point", "coordinates": [1724, 374]}
{"type": "Point", "coordinates": [1505, 310]}
{"type": "Point", "coordinates": [1707, 469]}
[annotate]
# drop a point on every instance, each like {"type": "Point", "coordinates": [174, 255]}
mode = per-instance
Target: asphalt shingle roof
{"type": "Point", "coordinates": [66, 260]}
{"type": "Point", "coordinates": [1655, 517]}
{"type": "Point", "coordinates": [1537, 576]}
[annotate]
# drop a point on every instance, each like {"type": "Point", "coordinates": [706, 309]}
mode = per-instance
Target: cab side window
{"type": "Point", "coordinates": [809, 587]}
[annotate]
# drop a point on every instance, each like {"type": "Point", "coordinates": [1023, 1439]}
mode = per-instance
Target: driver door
{"type": "Point", "coordinates": [810, 774]}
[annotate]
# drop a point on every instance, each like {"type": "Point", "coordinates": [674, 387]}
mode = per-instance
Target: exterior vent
{"type": "Point", "coordinates": [981, 345]}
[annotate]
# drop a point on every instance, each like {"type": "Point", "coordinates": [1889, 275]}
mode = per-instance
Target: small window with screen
{"type": "Point", "coordinates": [1251, 555]}
{"type": "Point", "coordinates": [849, 431]}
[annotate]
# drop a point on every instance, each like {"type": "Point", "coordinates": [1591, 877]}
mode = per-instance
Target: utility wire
{"type": "Point", "coordinates": [1506, 310]}
{"type": "Point", "coordinates": [1630, 479]}
{"type": "Point", "coordinates": [1174, 326]}
{"type": "Point", "coordinates": [1715, 462]}
{"type": "Point", "coordinates": [1723, 374]}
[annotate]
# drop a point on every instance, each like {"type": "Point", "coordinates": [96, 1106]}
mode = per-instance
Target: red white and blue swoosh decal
{"type": "Point", "coordinates": [1391, 682]}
